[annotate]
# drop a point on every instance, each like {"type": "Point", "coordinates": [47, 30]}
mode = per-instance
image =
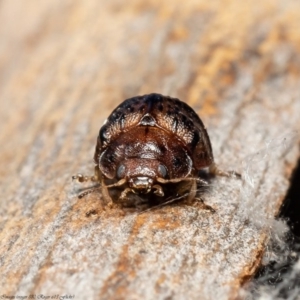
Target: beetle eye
{"type": "Point", "coordinates": [162, 170]}
{"type": "Point", "coordinates": [121, 171]}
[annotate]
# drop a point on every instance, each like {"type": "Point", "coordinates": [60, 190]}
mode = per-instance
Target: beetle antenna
{"type": "Point", "coordinates": [176, 180]}
{"type": "Point", "coordinates": [89, 191]}
{"type": "Point", "coordinates": [87, 188]}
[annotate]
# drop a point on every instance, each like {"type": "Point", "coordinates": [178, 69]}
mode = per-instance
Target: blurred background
{"type": "Point", "coordinates": [65, 64]}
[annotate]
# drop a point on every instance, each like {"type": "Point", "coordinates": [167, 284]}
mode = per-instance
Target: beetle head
{"type": "Point", "coordinates": [141, 174]}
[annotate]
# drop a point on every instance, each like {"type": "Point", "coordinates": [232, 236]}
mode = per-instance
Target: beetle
{"type": "Point", "coordinates": [151, 148]}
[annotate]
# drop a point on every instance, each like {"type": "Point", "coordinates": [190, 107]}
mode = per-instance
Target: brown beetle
{"type": "Point", "coordinates": [151, 148]}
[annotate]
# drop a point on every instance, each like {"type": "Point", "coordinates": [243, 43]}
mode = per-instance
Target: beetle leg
{"type": "Point", "coordinates": [105, 193]}
{"type": "Point", "coordinates": [82, 178]}
{"type": "Point", "coordinates": [193, 191]}
{"type": "Point", "coordinates": [214, 170]}
{"type": "Point", "coordinates": [200, 203]}
{"type": "Point", "coordinates": [196, 201]}
{"type": "Point", "coordinates": [158, 190]}
{"type": "Point", "coordinates": [124, 194]}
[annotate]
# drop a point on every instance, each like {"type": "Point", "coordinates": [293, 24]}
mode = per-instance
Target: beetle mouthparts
{"type": "Point", "coordinates": [141, 184]}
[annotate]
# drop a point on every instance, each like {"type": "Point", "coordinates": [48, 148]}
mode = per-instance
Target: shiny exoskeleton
{"type": "Point", "coordinates": [151, 148]}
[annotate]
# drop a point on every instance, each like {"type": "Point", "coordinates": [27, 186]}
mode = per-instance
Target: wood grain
{"type": "Point", "coordinates": [65, 65]}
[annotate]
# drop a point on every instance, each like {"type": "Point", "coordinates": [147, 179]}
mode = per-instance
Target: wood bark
{"type": "Point", "coordinates": [65, 65]}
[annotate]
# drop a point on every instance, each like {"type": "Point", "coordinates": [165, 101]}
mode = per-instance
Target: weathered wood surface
{"type": "Point", "coordinates": [65, 65]}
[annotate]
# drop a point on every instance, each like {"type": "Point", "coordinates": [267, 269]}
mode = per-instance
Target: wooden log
{"type": "Point", "coordinates": [65, 65]}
